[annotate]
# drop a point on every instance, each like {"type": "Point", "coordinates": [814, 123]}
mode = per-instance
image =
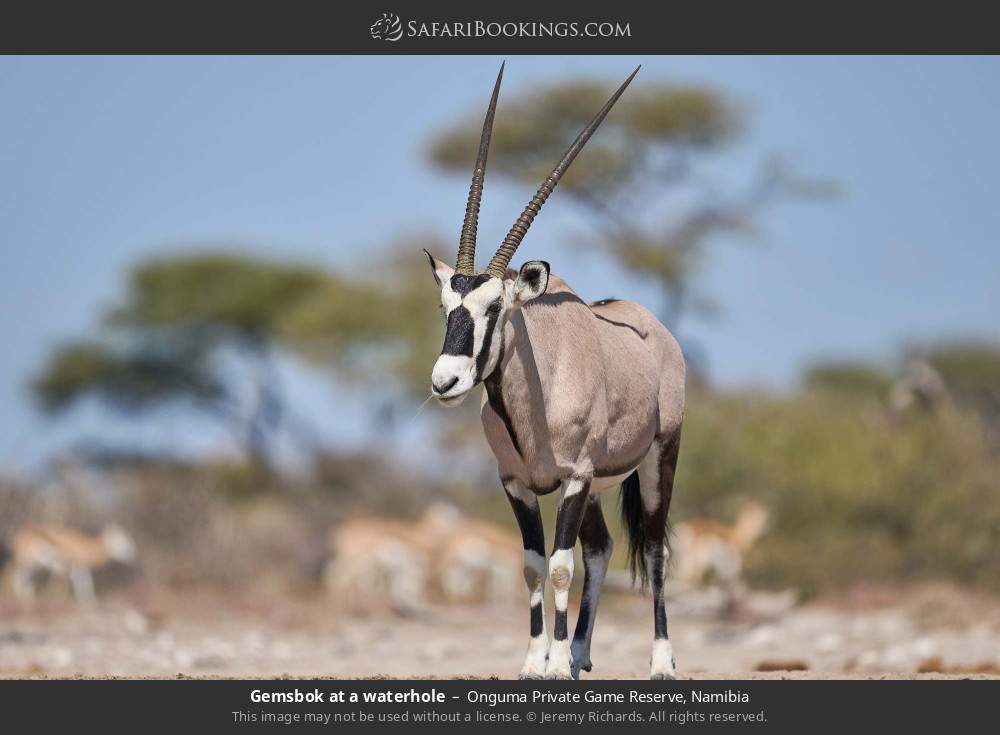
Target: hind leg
{"type": "Point", "coordinates": [597, 546]}
{"type": "Point", "coordinates": [656, 484]}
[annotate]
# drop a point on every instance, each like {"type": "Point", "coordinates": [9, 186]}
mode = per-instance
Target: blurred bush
{"type": "Point", "coordinates": [853, 495]}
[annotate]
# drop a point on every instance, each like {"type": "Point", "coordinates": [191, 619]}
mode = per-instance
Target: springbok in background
{"type": "Point", "coordinates": [65, 552]}
{"type": "Point", "coordinates": [579, 397]}
{"type": "Point", "coordinates": [710, 551]}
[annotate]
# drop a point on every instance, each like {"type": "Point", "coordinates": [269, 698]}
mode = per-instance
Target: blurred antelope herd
{"type": "Point", "coordinates": [384, 564]}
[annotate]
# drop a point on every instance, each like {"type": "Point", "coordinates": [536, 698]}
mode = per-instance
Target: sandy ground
{"type": "Point", "coordinates": [867, 635]}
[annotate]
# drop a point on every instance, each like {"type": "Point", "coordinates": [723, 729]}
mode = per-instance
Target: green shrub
{"type": "Point", "coordinates": [853, 495]}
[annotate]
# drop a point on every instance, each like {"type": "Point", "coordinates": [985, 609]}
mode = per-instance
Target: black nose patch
{"type": "Point", "coordinates": [459, 337]}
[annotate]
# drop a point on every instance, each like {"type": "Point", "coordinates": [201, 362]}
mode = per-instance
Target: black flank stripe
{"type": "Point", "coordinates": [495, 397]}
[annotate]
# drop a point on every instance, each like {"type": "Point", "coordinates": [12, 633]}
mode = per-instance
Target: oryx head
{"type": "Point", "coordinates": [476, 305]}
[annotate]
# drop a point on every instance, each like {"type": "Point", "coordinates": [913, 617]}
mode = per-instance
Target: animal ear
{"type": "Point", "coordinates": [442, 271]}
{"type": "Point", "coordinates": [531, 281]}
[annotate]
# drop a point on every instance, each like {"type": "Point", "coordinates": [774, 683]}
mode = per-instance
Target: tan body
{"type": "Point", "coordinates": [64, 552]}
{"type": "Point", "coordinates": [587, 389]}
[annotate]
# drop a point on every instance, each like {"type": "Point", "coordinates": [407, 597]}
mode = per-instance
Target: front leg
{"type": "Point", "coordinates": [529, 520]}
{"type": "Point", "coordinates": [571, 508]}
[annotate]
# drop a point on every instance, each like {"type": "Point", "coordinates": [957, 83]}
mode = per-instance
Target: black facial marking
{"type": "Point", "coordinates": [495, 396]}
{"type": "Point", "coordinates": [459, 336]}
{"type": "Point", "coordinates": [484, 353]}
{"type": "Point", "coordinates": [462, 284]}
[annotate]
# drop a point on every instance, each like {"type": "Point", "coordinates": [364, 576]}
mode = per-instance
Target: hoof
{"type": "Point", "coordinates": [662, 677]}
{"type": "Point", "coordinates": [575, 669]}
{"type": "Point", "coordinates": [530, 676]}
{"type": "Point", "coordinates": [559, 676]}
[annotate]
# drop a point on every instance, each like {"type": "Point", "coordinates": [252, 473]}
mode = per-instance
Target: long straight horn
{"type": "Point", "coordinates": [498, 265]}
{"type": "Point", "coordinates": [466, 261]}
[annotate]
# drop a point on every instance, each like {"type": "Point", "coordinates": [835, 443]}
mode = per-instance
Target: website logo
{"type": "Point", "coordinates": [387, 28]}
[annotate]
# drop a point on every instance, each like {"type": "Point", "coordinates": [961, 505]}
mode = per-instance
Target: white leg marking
{"type": "Point", "coordinates": [538, 646]}
{"type": "Point", "coordinates": [559, 661]}
{"type": "Point", "coordinates": [534, 661]}
{"type": "Point", "coordinates": [662, 661]}
{"type": "Point", "coordinates": [574, 486]}
{"type": "Point", "coordinates": [561, 575]}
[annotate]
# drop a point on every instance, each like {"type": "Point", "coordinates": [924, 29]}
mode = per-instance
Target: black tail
{"type": "Point", "coordinates": [634, 521]}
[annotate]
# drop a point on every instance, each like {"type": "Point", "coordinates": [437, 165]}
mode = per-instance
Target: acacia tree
{"type": "Point", "coordinates": [203, 331]}
{"type": "Point", "coordinates": [207, 331]}
{"type": "Point", "coordinates": [641, 181]}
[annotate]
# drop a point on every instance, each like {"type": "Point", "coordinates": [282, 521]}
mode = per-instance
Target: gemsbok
{"type": "Point", "coordinates": [579, 397]}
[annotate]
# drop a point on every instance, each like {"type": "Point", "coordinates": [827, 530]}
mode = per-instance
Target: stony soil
{"type": "Point", "coordinates": [874, 634]}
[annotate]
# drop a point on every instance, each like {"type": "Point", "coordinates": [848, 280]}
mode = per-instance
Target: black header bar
{"type": "Point", "coordinates": [397, 27]}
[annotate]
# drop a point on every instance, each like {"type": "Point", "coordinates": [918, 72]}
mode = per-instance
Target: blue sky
{"type": "Point", "coordinates": [105, 161]}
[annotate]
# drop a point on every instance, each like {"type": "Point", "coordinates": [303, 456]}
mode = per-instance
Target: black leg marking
{"type": "Point", "coordinates": [537, 620]}
{"type": "Point", "coordinates": [597, 547]}
{"type": "Point", "coordinates": [568, 521]}
{"type": "Point", "coordinates": [561, 631]}
{"type": "Point", "coordinates": [529, 520]}
{"type": "Point", "coordinates": [570, 516]}
{"type": "Point", "coordinates": [656, 533]}
{"type": "Point", "coordinates": [656, 537]}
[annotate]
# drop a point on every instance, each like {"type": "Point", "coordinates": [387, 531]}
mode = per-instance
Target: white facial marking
{"type": "Point", "coordinates": [448, 367]}
{"type": "Point", "coordinates": [449, 299]}
{"type": "Point", "coordinates": [462, 368]}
